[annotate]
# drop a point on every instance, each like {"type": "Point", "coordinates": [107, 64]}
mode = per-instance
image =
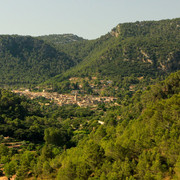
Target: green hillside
{"type": "Point", "coordinates": [137, 140]}
{"type": "Point", "coordinates": [152, 44]}
{"type": "Point", "coordinates": [25, 60]}
{"type": "Point", "coordinates": [60, 38]}
{"type": "Point", "coordinates": [131, 51]}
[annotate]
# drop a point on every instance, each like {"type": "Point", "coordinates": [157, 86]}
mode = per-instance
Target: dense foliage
{"type": "Point", "coordinates": [26, 60]}
{"type": "Point", "coordinates": [60, 39]}
{"type": "Point", "coordinates": [147, 50]}
{"type": "Point", "coordinates": [137, 137]}
{"type": "Point", "coordinates": [130, 43]}
{"type": "Point", "coordinates": [138, 140]}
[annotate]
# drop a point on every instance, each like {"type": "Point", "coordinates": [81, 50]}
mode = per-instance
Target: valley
{"type": "Point", "coordinates": [102, 109]}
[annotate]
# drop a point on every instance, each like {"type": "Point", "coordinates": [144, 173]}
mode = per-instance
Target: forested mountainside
{"type": "Point", "coordinates": [136, 136]}
{"type": "Point", "coordinates": [139, 139]}
{"type": "Point", "coordinates": [25, 60]}
{"type": "Point", "coordinates": [152, 32]}
{"type": "Point", "coordinates": [60, 38]}
{"type": "Point", "coordinates": [132, 54]}
{"type": "Point", "coordinates": [131, 51]}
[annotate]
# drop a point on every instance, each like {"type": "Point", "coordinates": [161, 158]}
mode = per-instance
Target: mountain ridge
{"type": "Point", "coordinates": [139, 51]}
{"type": "Point", "coordinates": [148, 49]}
{"type": "Point", "coordinates": [60, 38]}
{"type": "Point", "coordinates": [27, 60]}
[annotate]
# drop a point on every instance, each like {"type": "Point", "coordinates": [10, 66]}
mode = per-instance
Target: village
{"type": "Point", "coordinates": [64, 99]}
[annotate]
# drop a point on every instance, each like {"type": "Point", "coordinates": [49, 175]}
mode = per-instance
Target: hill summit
{"type": "Point", "coordinates": [60, 38]}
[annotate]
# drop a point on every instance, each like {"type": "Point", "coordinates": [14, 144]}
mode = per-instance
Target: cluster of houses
{"type": "Point", "coordinates": [63, 99]}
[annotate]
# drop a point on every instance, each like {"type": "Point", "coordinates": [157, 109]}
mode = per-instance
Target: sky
{"type": "Point", "coordinates": [86, 18]}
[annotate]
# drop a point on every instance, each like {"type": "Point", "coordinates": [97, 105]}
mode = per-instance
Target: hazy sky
{"type": "Point", "coordinates": [86, 18]}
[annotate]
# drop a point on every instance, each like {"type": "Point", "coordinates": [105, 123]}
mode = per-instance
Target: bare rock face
{"type": "Point", "coordinates": [116, 31]}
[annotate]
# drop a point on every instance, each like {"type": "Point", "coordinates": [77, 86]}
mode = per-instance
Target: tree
{"type": "Point", "coordinates": [55, 136]}
{"type": "Point", "coordinates": [10, 168]}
